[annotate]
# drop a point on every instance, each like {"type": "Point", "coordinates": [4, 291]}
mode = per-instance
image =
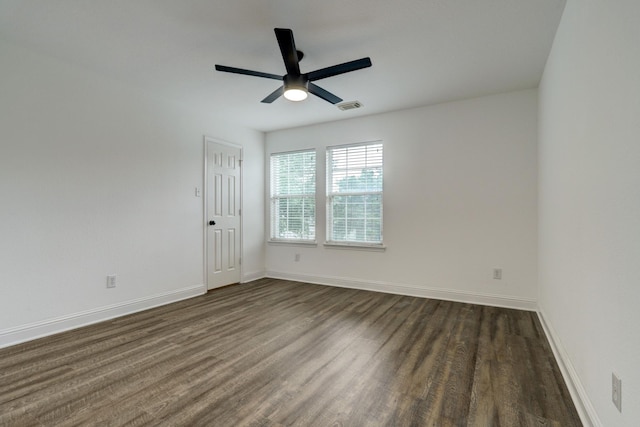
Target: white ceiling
{"type": "Point", "coordinates": [423, 51]}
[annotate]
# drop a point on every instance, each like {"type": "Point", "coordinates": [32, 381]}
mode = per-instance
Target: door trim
{"type": "Point", "coordinates": [205, 215]}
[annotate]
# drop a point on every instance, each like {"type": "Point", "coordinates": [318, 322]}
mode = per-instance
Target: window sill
{"type": "Point", "coordinates": [355, 246]}
{"type": "Point", "coordinates": [292, 242]}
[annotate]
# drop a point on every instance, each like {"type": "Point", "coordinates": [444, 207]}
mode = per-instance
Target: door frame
{"type": "Point", "coordinates": [205, 215]}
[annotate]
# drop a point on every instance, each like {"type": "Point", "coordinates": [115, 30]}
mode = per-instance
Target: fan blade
{"type": "Point", "coordinates": [288, 50]}
{"type": "Point", "coordinates": [247, 72]}
{"type": "Point", "coordinates": [334, 70]}
{"type": "Point", "coordinates": [274, 95]}
{"type": "Point", "coordinates": [324, 94]}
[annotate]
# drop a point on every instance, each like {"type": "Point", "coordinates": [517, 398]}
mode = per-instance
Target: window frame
{"type": "Point", "coordinates": [273, 216]}
{"type": "Point", "coordinates": [330, 195]}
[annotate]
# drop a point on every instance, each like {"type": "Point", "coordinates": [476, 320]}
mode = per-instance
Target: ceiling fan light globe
{"type": "Point", "coordinates": [295, 94]}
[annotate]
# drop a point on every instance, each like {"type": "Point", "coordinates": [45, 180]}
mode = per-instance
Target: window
{"type": "Point", "coordinates": [293, 196]}
{"type": "Point", "coordinates": [354, 194]}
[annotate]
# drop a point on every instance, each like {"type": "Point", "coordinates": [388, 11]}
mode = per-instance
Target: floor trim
{"type": "Point", "coordinates": [23, 333]}
{"type": "Point", "coordinates": [250, 277]}
{"type": "Point", "coordinates": [411, 290]}
{"type": "Point", "coordinates": [581, 400]}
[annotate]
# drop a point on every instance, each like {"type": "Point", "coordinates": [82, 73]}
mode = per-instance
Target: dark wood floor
{"type": "Point", "coordinates": [278, 353]}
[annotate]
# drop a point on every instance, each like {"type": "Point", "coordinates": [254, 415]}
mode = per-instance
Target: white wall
{"type": "Point", "coordinates": [95, 179]}
{"type": "Point", "coordinates": [460, 198]}
{"type": "Point", "coordinates": [590, 202]}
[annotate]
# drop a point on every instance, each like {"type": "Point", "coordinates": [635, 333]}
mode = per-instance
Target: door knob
{"type": "Point", "coordinates": [212, 222]}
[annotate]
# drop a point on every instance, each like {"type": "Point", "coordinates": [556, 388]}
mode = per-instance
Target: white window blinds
{"type": "Point", "coordinates": [293, 196]}
{"type": "Point", "coordinates": [354, 194]}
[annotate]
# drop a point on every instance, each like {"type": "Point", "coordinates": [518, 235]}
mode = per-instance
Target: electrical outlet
{"type": "Point", "coordinates": [111, 281]}
{"type": "Point", "coordinates": [296, 258]}
{"type": "Point", "coordinates": [497, 273]}
{"type": "Point", "coordinates": [616, 391]}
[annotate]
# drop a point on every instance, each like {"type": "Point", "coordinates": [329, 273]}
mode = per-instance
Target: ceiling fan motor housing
{"type": "Point", "coordinates": [296, 82]}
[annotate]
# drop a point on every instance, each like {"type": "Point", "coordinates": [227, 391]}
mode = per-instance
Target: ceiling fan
{"type": "Point", "coordinates": [297, 85]}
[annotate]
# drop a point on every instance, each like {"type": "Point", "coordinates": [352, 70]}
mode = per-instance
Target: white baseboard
{"type": "Point", "coordinates": [581, 400]}
{"type": "Point", "coordinates": [250, 277]}
{"type": "Point", "coordinates": [411, 290]}
{"type": "Point", "coordinates": [55, 325]}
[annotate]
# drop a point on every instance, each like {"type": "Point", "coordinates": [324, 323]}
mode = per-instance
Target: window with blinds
{"type": "Point", "coordinates": [293, 196]}
{"type": "Point", "coordinates": [354, 194]}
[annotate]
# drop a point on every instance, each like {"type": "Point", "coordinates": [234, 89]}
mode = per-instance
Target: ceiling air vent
{"type": "Point", "coordinates": [351, 105]}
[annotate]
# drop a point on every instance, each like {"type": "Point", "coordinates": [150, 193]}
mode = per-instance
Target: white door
{"type": "Point", "coordinates": [223, 213]}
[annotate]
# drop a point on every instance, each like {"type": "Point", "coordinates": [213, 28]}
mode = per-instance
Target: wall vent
{"type": "Point", "coordinates": [351, 105]}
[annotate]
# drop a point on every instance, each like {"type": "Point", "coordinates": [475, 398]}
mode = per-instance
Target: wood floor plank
{"type": "Point", "coordinates": [277, 353]}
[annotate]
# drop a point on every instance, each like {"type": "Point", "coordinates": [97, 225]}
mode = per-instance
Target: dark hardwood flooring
{"type": "Point", "coordinates": [279, 353]}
